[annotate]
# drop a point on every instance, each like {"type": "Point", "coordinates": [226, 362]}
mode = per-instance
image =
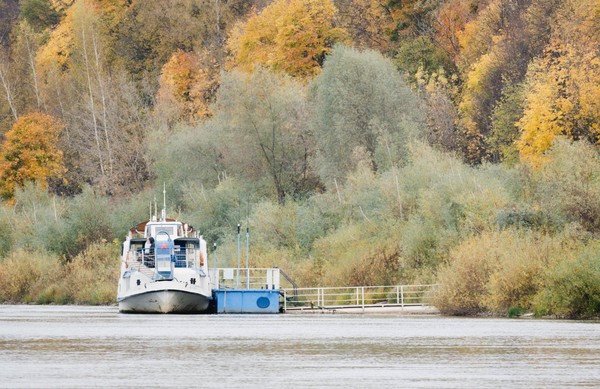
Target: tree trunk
{"type": "Point", "coordinates": [92, 105]}
{"type": "Point", "coordinates": [9, 97]}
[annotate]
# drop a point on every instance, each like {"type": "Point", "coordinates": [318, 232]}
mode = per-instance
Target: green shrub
{"type": "Point", "coordinates": [516, 279]}
{"type": "Point", "coordinates": [572, 286]}
{"type": "Point", "coordinates": [569, 185]}
{"type": "Point", "coordinates": [515, 312]}
{"type": "Point", "coordinates": [6, 231]}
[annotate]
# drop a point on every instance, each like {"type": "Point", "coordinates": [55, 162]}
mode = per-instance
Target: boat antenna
{"type": "Point", "coordinates": [164, 210]}
{"type": "Point", "coordinates": [215, 259]}
{"type": "Point", "coordinates": [155, 208]}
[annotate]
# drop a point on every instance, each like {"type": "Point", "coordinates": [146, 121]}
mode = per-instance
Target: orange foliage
{"type": "Point", "coordinates": [292, 36]}
{"type": "Point", "coordinates": [187, 86]}
{"type": "Point", "coordinates": [29, 152]}
{"type": "Point", "coordinates": [450, 21]}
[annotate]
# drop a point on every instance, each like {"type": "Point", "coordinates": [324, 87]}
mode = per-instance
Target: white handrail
{"type": "Point", "coordinates": [358, 297]}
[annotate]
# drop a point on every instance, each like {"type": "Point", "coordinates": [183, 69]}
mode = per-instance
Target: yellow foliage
{"type": "Point", "coordinates": [476, 93]}
{"type": "Point", "coordinates": [29, 152]}
{"type": "Point", "coordinates": [563, 98]}
{"type": "Point", "coordinates": [540, 122]}
{"type": "Point", "coordinates": [292, 36]}
{"type": "Point", "coordinates": [59, 47]}
{"type": "Point", "coordinates": [476, 38]}
{"type": "Point", "coordinates": [563, 87]}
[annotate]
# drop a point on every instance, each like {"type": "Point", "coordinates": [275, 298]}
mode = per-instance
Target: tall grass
{"type": "Point", "coordinates": [37, 277]}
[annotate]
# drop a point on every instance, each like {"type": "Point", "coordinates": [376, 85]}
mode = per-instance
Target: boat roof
{"type": "Point", "coordinates": [140, 228]}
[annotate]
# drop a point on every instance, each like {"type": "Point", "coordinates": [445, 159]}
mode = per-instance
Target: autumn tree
{"type": "Point", "coordinates": [29, 153]}
{"type": "Point", "coordinates": [292, 36]}
{"type": "Point", "coordinates": [449, 22]}
{"type": "Point", "coordinates": [148, 32]}
{"type": "Point", "coordinates": [369, 23]}
{"type": "Point", "coordinates": [563, 87]}
{"type": "Point", "coordinates": [496, 47]}
{"type": "Point", "coordinates": [188, 84]}
{"type": "Point", "coordinates": [104, 115]}
{"type": "Point", "coordinates": [422, 55]}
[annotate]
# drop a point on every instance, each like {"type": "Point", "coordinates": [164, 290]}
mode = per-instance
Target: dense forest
{"type": "Point", "coordinates": [363, 142]}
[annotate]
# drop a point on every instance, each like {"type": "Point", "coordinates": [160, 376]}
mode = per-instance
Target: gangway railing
{"type": "Point", "coordinates": [290, 281]}
{"type": "Point", "coordinates": [244, 278]}
{"type": "Point", "coordinates": [334, 298]}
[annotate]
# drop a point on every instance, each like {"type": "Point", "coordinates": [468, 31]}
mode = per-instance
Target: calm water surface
{"type": "Point", "coordinates": [89, 347]}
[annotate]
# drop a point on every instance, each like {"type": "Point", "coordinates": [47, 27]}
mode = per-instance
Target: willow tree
{"type": "Point", "coordinates": [261, 128]}
{"type": "Point", "coordinates": [363, 112]}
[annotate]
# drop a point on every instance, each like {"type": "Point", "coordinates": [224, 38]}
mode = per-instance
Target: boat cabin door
{"type": "Point", "coordinates": [165, 256]}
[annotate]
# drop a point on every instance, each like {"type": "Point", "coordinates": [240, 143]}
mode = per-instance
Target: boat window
{"type": "Point", "coordinates": [161, 229]}
{"type": "Point", "coordinates": [136, 246]}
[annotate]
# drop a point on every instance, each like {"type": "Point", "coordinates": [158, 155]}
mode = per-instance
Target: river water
{"type": "Point", "coordinates": [90, 347]}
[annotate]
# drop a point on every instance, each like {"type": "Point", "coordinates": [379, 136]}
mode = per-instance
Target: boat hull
{"type": "Point", "coordinates": [165, 301]}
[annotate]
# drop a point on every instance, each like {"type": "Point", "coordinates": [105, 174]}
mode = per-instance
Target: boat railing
{"type": "Point", "coordinates": [358, 297]}
{"type": "Point", "coordinates": [245, 278]}
{"type": "Point", "coordinates": [182, 258]}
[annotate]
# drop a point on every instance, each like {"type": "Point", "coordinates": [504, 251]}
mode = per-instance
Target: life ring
{"type": "Point", "coordinates": [201, 258]}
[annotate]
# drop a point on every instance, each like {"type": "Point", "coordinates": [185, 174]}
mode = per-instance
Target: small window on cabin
{"type": "Point", "coordinates": [136, 246]}
{"type": "Point", "coordinates": [162, 229]}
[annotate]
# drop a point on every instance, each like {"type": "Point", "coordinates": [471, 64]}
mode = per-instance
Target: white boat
{"type": "Point", "coordinates": [171, 276]}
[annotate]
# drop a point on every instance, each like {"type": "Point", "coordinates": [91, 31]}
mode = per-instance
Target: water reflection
{"type": "Point", "coordinates": [81, 347]}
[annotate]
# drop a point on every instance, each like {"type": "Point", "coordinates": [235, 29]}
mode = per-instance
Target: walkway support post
{"type": "Point", "coordinates": [402, 296]}
{"type": "Point", "coordinates": [363, 297]}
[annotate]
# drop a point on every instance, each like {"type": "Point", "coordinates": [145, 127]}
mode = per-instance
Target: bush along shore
{"type": "Point", "coordinates": [497, 240]}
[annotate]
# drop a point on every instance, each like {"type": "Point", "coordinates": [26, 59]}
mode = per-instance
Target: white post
{"type": "Point", "coordinates": [363, 298]}
{"type": "Point", "coordinates": [402, 295]}
{"type": "Point", "coordinates": [237, 282]}
{"type": "Point", "coordinates": [247, 257]}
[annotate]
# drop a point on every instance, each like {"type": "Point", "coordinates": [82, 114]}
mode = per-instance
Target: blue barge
{"type": "Point", "coordinates": [253, 291]}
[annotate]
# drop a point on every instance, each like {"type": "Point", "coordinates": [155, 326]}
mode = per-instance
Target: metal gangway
{"type": "Point", "coordinates": [358, 298]}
